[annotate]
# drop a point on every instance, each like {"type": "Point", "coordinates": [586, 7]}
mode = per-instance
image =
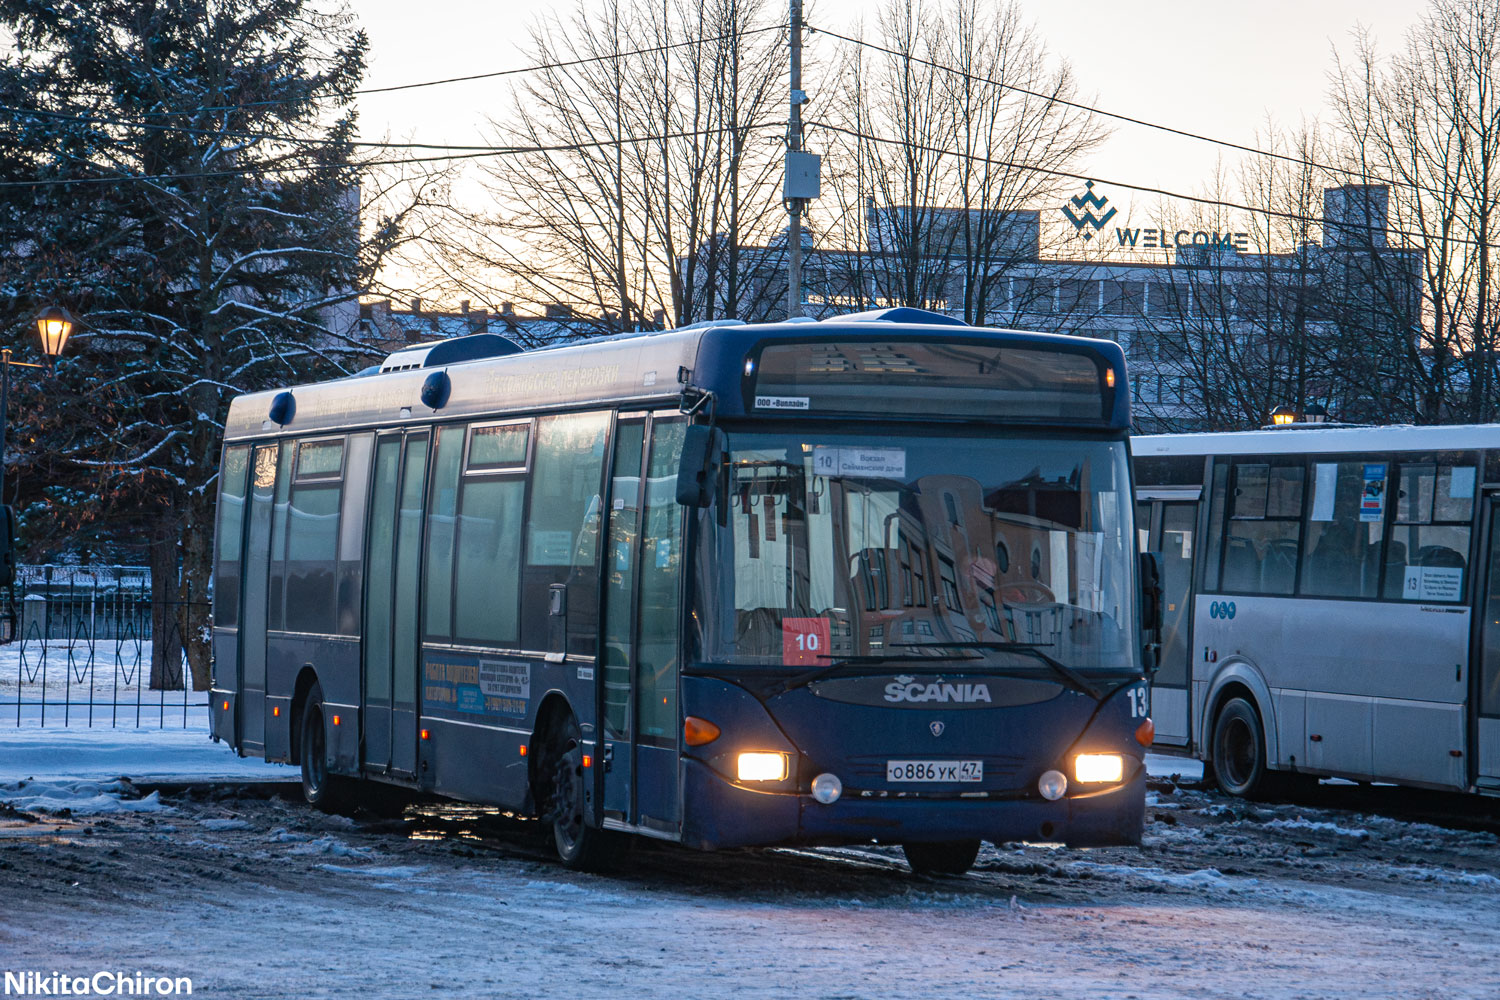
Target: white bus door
{"type": "Point", "coordinates": [1171, 530]}
{"type": "Point", "coordinates": [1487, 702]}
{"type": "Point", "coordinates": [642, 625]}
{"type": "Point", "coordinates": [392, 575]}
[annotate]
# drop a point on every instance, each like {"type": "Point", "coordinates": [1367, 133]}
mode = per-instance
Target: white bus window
{"type": "Point", "coordinates": [1427, 559]}
{"type": "Point", "coordinates": [1343, 548]}
{"type": "Point", "coordinates": [1260, 552]}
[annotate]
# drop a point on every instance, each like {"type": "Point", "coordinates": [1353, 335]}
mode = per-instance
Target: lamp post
{"type": "Point", "coordinates": [54, 324]}
{"type": "Point", "coordinates": [1283, 415]}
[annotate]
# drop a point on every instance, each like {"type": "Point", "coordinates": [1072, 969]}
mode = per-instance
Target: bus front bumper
{"type": "Point", "coordinates": [721, 814]}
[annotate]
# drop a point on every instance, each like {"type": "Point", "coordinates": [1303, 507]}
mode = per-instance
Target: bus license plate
{"type": "Point", "coordinates": [934, 770]}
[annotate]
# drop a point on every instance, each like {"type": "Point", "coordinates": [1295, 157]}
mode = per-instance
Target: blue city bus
{"type": "Point", "coordinates": [870, 579]}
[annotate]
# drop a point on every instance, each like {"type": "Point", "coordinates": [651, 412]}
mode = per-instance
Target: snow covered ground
{"type": "Point", "coordinates": [74, 684]}
{"type": "Point", "coordinates": [140, 754]}
{"type": "Point", "coordinates": [258, 897]}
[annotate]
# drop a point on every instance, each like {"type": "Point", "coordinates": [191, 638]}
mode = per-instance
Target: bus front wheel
{"type": "Point", "coordinates": [579, 846]}
{"type": "Point", "coordinates": [1239, 749]}
{"type": "Point", "coordinates": [949, 857]}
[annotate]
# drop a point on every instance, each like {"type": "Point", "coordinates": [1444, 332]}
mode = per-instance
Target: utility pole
{"type": "Point", "coordinates": [794, 204]}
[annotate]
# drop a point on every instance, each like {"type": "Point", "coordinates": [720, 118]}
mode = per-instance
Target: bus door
{"type": "Point", "coordinates": [255, 593]}
{"type": "Point", "coordinates": [1172, 531]}
{"type": "Point", "coordinates": [1487, 698]}
{"type": "Point", "coordinates": [642, 626]}
{"type": "Point", "coordinates": [392, 575]}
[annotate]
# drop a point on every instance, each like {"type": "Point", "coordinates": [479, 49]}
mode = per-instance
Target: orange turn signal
{"type": "Point", "coordinates": [427, 734]}
{"type": "Point", "coordinates": [226, 706]}
{"type": "Point", "coordinates": [1145, 733]}
{"type": "Point", "coordinates": [1109, 377]}
{"type": "Point", "coordinates": [588, 761]}
{"type": "Point", "coordinates": [276, 711]}
{"type": "Point", "coordinates": [337, 721]}
{"type": "Point", "coordinates": [523, 749]}
{"type": "Point", "coordinates": [696, 731]}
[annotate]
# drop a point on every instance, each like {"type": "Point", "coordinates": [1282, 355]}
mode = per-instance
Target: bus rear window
{"type": "Point", "coordinates": [930, 379]}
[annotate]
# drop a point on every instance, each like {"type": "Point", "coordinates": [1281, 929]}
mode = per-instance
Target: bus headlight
{"type": "Point", "coordinates": [1098, 768]}
{"type": "Point", "coordinates": [758, 766]}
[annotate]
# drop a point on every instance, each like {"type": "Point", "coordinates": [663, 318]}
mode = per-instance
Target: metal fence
{"type": "Point", "coordinates": [76, 649]}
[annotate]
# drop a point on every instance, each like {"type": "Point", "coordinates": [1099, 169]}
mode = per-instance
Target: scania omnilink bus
{"type": "Point", "coordinates": [1332, 602]}
{"type": "Point", "coordinates": [869, 579]}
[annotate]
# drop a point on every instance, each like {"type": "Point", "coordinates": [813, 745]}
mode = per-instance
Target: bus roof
{"type": "Point", "coordinates": [631, 369]}
{"type": "Point", "coordinates": [1321, 440]}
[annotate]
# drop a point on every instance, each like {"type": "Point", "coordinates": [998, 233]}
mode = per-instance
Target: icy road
{"type": "Point", "coordinates": [254, 897]}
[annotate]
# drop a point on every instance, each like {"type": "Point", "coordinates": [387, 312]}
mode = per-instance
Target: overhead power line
{"type": "Point", "coordinates": [282, 168]}
{"type": "Point", "coordinates": [1102, 113]}
{"type": "Point", "coordinates": [1143, 188]}
{"type": "Point", "coordinates": [491, 74]}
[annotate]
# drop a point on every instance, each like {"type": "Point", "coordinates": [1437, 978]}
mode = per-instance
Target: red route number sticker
{"type": "Point", "coordinates": [804, 640]}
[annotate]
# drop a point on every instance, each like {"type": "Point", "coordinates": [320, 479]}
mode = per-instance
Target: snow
{"type": "Point", "coordinates": [143, 755]}
{"type": "Point", "coordinates": [1318, 826]}
{"type": "Point", "coordinates": [80, 798]}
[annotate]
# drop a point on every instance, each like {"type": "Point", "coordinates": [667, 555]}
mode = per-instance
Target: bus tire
{"type": "Point", "coordinates": [1239, 746]}
{"type": "Point", "coordinates": [948, 857]}
{"type": "Point", "coordinates": [578, 845]}
{"type": "Point", "coordinates": [321, 789]}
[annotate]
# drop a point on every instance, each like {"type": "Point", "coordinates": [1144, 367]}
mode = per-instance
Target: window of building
{"type": "Point", "coordinates": [1123, 298]}
{"type": "Point", "coordinates": [1078, 296]}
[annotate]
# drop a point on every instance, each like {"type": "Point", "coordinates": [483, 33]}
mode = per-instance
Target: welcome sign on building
{"type": "Point", "coordinates": [1080, 212]}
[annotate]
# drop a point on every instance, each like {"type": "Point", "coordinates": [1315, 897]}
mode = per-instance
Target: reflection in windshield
{"type": "Point", "coordinates": [838, 546]}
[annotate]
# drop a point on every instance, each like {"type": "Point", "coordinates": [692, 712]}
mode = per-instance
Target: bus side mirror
{"type": "Point", "coordinates": [697, 470]}
{"type": "Point", "coordinates": [1151, 606]}
{"type": "Point", "coordinates": [7, 546]}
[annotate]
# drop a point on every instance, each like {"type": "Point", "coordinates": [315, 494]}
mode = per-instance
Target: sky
{"type": "Point", "coordinates": [1214, 68]}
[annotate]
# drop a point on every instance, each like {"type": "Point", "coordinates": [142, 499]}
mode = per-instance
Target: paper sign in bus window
{"type": "Point", "coordinates": [1372, 496]}
{"type": "Point", "coordinates": [804, 641]}
{"type": "Point", "coordinates": [1433, 583]}
{"type": "Point", "coordinates": [888, 463]}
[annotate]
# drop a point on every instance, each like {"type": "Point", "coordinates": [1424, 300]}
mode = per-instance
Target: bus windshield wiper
{"type": "Point", "coordinates": [841, 662]}
{"type": "Point", "coordinates": [1070, 677]}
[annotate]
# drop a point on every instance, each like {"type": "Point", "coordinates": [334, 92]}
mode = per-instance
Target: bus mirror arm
{"type": "Point", "coordinates": [1151, 609]}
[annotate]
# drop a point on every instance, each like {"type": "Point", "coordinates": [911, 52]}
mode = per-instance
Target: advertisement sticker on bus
{"type": "Point", "coordinates": [804, 640]}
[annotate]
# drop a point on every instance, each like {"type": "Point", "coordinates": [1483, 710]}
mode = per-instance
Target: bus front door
{"type": "Point", "coordinates": [392, 570]}
{"type": "Point", "coordinates": [1172, 528]}
{"type": "Point", "coordinates": [1487, 703]}
{"type": "Point", "coordinates": [642, 625]}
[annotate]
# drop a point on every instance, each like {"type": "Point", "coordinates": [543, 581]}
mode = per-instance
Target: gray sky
{"type": "Point", "coordinates": [1215, 68]}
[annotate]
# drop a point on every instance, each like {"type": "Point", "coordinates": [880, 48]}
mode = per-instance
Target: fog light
{"type": "Point", "coordinates": [827, 788]}
{"type": "Point", "coordinates": [1052, 785]}
{"type": "Point", "coordinates": [762, 766]}
{"type": "Point", "coordinates": [1098, 767]}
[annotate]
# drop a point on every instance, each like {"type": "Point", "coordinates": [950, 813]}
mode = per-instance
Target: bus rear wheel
{"type": "Point", "coordinates": [948, 857]}
{"type": "Point", "coordinates": [319, 788]}
{"type": "Point", "coordinates": [1239, 749]}
{"type": "Point", "coordinates": [578, 845]}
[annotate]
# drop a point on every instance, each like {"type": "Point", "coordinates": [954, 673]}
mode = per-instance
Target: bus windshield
{"type": "Point", "coordinates": [900, 547]}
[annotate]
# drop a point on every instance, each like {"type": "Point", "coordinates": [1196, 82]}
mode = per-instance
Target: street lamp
{"type": "Point", "coordinates": [1283, 415]}
{"type": "Point", "coordinates": [54, 324]}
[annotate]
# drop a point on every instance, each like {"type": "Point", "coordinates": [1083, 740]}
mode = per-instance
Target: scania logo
{"type": "Point", "coordinates": [906, 689]}
{"type": "Point", "coordinates": [936, 727]}
{"type": "Point", "coordinates": [1221, 609]}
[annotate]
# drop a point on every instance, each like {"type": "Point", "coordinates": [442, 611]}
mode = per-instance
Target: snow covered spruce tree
{"type": "Point", "coordinates": [180, 176]}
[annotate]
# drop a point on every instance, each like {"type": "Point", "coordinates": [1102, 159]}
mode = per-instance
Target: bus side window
{"type": "Point", "coordinates": [1428, 554]}
{"type": "Point", "coordinates": [352, 532]}
{"type": "Point", "coordinates": [230, 536]}
{"type": "Point", "coordinates": [562, 533]}
{"type": "Point", "coordinates": [276, 607]}
{"type": "Point", "coordinates": [442, 516]}
{"type": "Point", "coordinates": [312, 536]}
{"type": "Point", "coordinates": [1215, 538]}
{"type": "Point", "coordinates": [1345, 548]}
{"type": "Point", "coordinates": [1260, 555]}
{"type": "Point", "coordinates": [492, 497]}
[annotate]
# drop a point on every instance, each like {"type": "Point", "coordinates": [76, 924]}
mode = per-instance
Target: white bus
{"type": "Point", "coordinates": [1332, 603]}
